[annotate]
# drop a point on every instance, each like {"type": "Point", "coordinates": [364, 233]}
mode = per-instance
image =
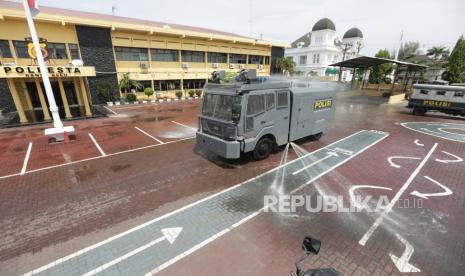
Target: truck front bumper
{"type": "Point", "coordinates": [226, 149]}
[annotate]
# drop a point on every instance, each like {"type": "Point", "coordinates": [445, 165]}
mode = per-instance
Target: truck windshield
{"type": "Point", "coordinates": [223, 107]}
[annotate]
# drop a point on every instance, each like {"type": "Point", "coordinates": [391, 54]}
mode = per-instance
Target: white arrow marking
{"type": "Point", "coordinates": [392, 164]}
{"type": "Point", "coordinates": [353, 188]}
{"type": "Point", "coordinates": [457, 159]}
{"type": "Point", "coordinates": [402, 263]}
{"type": "Point", "coordinates": [329, 154]}
{"type": "Point", "coordinates": [418, 143]}
{"type": "Point", "coordinates": [169, 234]}
{"type": "Point", "coordinates": [446, 192]}
{"type": "Point", "coordinates": [391, 204]}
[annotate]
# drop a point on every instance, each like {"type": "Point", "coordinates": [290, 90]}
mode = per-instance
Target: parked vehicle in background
{"type": "Point", "coordinates": [258, 116]}
{"type": "Point", "coordinates": [449, 99]}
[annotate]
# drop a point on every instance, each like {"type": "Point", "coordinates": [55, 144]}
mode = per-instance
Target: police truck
{"type": "Point", "coordinates": [449, 99]}
{"type": "Point", "coordinates": [256, 116]}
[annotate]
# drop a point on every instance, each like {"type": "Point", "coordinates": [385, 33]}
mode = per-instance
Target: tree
{"type": "Point", "coordinates": [437, 52]}
{"type": "Point", "coordinates": [380, 72]}
{"type": "Point", "coordinates": [408, 50]}
{"type": "Point", "coordinates": [148, 92]}
{"type": "Point", "coordinates": [126, 83]}
{"type": "Point", "coordinates": [285, 65]}
{"type": "Point", "coordinates": [455, 68]}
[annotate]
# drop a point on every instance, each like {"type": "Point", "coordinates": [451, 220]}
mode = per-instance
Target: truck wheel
{"type": "Point", "coordinates": [263, 149]}
{"type": "Point", "coordinates": [419, 111]}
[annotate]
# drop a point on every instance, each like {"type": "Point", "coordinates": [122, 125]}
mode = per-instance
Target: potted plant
{"type": "Point", "coordinates": [131, 97]}
{"type": "Point", "coordinates": [148, 92]}
{"type": "Point", "coordinates": [178, 94]}
{"type": "Point", "coordinates": [198, 92]}
{"type": "Point", "coordinates": [191, 93]}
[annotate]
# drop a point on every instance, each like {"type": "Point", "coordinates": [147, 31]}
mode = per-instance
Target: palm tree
{"type": "Point", "coordinates": [285, 65]}
{"type": "Point", "coordinates": [437, 52]}
{"type": "Point", "coordinates": [126, 83]}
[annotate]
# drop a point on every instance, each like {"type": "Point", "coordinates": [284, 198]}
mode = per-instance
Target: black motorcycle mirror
{"type": "Point", "coordinates": [311, 245]}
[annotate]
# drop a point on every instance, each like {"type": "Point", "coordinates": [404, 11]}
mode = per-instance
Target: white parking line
{"type": "Point", "coordinates": [154, 138]}
{"type": "Point", "coordinates": [26, 159]}
{"type": "Point", "coordinates": [110, 110]}
{"type": "Point", "coordinates": [96, 157]}
{"type": "Point", "coordinates": [183, 125]}
{"type": "Point", "coordinates": [97, 145]}
{"type": "Point", "coordinates": [391, 204]}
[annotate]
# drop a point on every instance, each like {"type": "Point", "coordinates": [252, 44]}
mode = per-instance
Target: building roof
{"type": "Point", "coordinates": [365, 62]}
{"type": "Point", "coordinates": [305, 40]}
{"type": "Point", "coordinates": [324, 24]}
{"type": "Point", "coordinates": [353, 33]}
{"type": "Point", "coordinates": [15, 9]}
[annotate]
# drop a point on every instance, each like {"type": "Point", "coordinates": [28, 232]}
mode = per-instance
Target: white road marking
{"type": "Point", "coordinates": [169, 234]}
{"type": "Point", "coordinates": [154, 138]}
{"type": "Point", "coordinates": [457, 158]}
{"type": "Point", "coordinates": [26, 159]}
{"type": "Point", "coordinates": [97, 145]}
{"type": "Point", "coordinates": [446, 192]}
{"type": "Point", "coordinates": [442, 129]}
{"type": "Point", "coordinates": [433, 133]}
{"type": "Point", "coordinates": [184, 125]}
{"type": "Point", "coordinates": [328, 155]}
{"type": "Point", "coordinates": [418, 143]}
{"type": "Point", "coordinates": [392, 164]}
{"type": "Point", "coordinates": [402, 263]}
{"type": "Point", "coordinates": [200, 245]}
{"type": "Point", "coordinates": [109, 109]}
{"type": "Point", "coordinates": [97, 157]}
{"type": "Point", "coordinates": [355, 187]}
{"type": "Point", "coordinates": [391, 204]}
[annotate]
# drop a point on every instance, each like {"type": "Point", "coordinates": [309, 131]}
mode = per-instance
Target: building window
{"type": "Point", "coordinates": [164, 55]}
{"type": "Point", "coordinates": [192, 56]}
{"type": "Point", "coordinates": [316, 58]}
{"type": "Point", "coordinates": [217, 57]}
{"type": "Point", "coordinates": [56, 51]}
{"type": "Point", "coordinates": [237, 59]}
{"type": "Point", "coordinates": [131, 54]}
{"type": "Point", "coordinates": [303, 60]}
{"type": "Point", "coordinates": [267, 60]}
{"type": "Point", "coordinates": [164, 85]}
{"type": "Point", "coordinates": [5, 51]}
{"type": "Point", "coordinates": [21, 49]}
{"type": "Point", "coordinates": [74, 51]}
{"type": "Point", "coordinates": [255, 59]}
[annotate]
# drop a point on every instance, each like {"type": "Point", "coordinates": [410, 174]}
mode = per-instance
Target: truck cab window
{"type": "Point", "coordinates": [282, 99]}
{"type": "Point", "coordinates": [270, 101]}
{"type": "Point", "coordinates": [256, 104]}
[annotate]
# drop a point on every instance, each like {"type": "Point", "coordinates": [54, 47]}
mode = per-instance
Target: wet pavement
{"type": "Point", "coordinates": [148, 201]}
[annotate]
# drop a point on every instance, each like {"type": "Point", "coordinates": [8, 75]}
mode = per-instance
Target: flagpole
{"type": "Point", "coordinates": [57, 123]}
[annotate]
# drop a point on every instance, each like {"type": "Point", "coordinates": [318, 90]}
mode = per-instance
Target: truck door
{"type": "Point", "coordinates": [255, 114]}
{"type": "Point", "coordinates": [282, 116]}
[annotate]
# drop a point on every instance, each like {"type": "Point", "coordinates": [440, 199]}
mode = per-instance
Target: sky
{"type": "Point", "coordinates": [430, 22]}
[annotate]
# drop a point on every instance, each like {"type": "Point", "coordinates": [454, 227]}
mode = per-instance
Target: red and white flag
{"type": "Point", "coordinates": [33, 7]}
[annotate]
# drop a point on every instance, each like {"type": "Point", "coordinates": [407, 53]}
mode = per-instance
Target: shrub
{"type": "Point", "coordinates": [178, 94]}
{"type": "Point", "coordinates": [191, 93]}
{"type": "Point", "coordinates": [131, 97]}
{"type": "Point", "coordinates": [148, 92]}
{"type": "Point", "coordinates": [198, 92]}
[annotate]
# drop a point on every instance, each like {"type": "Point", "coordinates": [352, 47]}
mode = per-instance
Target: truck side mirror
{"type": "Point", "coordinates": [236, 112]}
{"type": "Point", "coordinates": [311, 245]}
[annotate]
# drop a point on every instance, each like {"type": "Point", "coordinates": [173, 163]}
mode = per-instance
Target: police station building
{"type": "Point", "coordinates": [87, 51]}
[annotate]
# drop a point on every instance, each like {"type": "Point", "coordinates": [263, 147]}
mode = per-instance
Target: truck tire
{"type": "Point", "coordinates": [419, 111]}
{"type": "Point", "coordinates": [263, 149]}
